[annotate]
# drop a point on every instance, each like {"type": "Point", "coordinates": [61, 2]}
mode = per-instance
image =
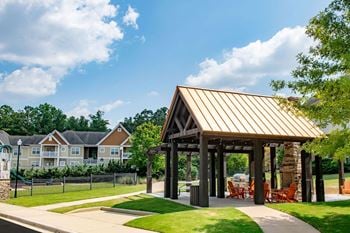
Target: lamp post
{"type": "Point", "coordinates": [19, 143]}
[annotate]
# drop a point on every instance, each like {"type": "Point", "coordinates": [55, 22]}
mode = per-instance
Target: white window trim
{"type": "Point", "coordinates": [102, 150]}
{"type": "Point", "coordinates": [36, 148]}
{"type": "Point", "coordinates": [63, 148]}
{"type": "Point", "coordinates": [74, 147]}
{"type": "Point", "coordinates": [110, 152]}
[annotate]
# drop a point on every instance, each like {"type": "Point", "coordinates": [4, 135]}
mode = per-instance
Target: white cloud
{"type": "Point", "coordinates": [244, 66]}
{"type": "Point", "coordinates": [111, 106]}
{"type": "Point", "coordinates": [130, 17]}
{"type": "Point", "coordinates": [153, 93]}
{"type": "Point", "coordinates": [81, 109]}
{"type": "Point", "coordinates": [86, 107]}
{"type": "Point", "coordinates": [54, 36]}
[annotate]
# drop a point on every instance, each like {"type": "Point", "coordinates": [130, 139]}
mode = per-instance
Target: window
{"type": "Point", "coordinates": [102, 150]}
{"type": "Point", "coordinates": [63, 149]}
{"type": "Point", "coordinates": [73, 163]}
{"type": "Point", "coordinates": [35, 150]}
{"type": "Point", "coordinates": [35, 163]}
{"type": "Point", "coordinates": [62, 163]}
{"type": "Point", "coordinates": [114, 151]}
{"type": "Point", "coordinates": [119, 129]}
{"type": "Point", "coordinates": [15, 152]}
{"type": "Point", "coordinates": [75, 151]}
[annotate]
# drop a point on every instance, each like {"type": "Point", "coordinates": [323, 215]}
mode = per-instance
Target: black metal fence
{"type": "Point", "coordinates": [71, 184]}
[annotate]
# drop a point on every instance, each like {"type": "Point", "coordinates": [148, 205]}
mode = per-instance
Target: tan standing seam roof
{"type": "Point", "coordinates": [224, 112]}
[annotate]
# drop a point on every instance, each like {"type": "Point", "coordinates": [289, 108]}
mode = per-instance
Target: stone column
{"type": "Point", "coordinates": [290, 169]}
{"type": "Point", "coordinates": [4, 189]}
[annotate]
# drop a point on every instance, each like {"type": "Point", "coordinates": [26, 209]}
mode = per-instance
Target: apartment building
{"type": "Point", "coordinates": [58, 149]}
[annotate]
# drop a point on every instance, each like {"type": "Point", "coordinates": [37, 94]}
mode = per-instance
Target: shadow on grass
{"type": "Point", "coordinates": [230, 225]}
{"type": "Point", "coordinates": [330, 223]}
{"type": "Point", "coordinates": [152, 204]}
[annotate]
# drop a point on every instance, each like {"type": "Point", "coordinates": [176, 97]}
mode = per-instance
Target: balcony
{"type": "Point", "coordinates": [49, 154]}
{"type": "Point", "coordinates": [126, 155]}
{"type": "Point", "coordinates": [90, 161]}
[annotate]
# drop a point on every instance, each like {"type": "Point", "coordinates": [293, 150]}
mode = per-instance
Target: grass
{"type": "Point", "coordinates": [328, 217]}
{"type": "Point", "coordinates": [209, 220]}
{"type": "Point", "coordinates": [177, 218]}
{"type": "Point", "coordinates": [137, 202]}
{"type": "Point", "coordinates": [152, 204]}
{"type": "Point", "coordinates": [46, 199]}
{"type": "Point", "coordinates": [332, 179]}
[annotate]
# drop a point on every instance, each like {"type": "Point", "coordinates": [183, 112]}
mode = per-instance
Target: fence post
{"type": "Point", "coordinates": [114, 180]}
{"type": "Point", "coordinates": [91, 181]}
{"type": "Point", "coordinates": [135, 178]}
{"type": "Point", "coordinates": [31, 187]}
{"type": "Point", "coordinates": [64, 183]}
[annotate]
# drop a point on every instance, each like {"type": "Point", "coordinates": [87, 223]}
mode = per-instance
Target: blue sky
{"type": "Point", "coordinates": [124, 56]}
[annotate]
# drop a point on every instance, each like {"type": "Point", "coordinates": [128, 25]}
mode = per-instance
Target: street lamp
{"type": "Point", "coordinates": [19, 143]}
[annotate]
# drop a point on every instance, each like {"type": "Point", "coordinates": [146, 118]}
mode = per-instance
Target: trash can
{"type": "Point", "coordinates": [194, 195]}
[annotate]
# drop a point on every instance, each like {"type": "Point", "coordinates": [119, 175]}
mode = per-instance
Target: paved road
{"type": "Point", "coordinates": [6, 226]}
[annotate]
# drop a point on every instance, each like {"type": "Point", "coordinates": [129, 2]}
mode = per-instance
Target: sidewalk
{"type": "Point", "coordinates": [60, 222]}
{"type": "Point", "coordinates": [157, 187]}
{"type": "Point", "coordinates": [273, 221]}
{"type": "Point", "coordinates": [269, 220]}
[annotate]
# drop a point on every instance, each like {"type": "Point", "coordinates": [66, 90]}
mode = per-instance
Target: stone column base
{"type": "Point", "coordinates": [4, 189]}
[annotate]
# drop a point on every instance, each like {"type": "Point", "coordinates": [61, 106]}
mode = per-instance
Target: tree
{"type": "Point", "coordinates": [146, 136]}
{"type": "Point", "coordinates": [237, 163]}
{"type": "Point", "coordinates": [322, 79]}
{"type": "Point", "coordinates": [157, 118]}
{"type": "Point", "coordinates": [97, 122]}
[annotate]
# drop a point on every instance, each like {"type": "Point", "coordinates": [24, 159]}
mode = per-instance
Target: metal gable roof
{"type": "Point", "coordinates": [229, 113]}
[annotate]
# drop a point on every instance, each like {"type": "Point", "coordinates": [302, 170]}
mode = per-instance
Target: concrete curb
{"type": "Point", "coordinates": [84, 210]}
{"type": "Point", "coordinates": [34, 224]}
{"type": "Point", "coordinates": [127, 211]}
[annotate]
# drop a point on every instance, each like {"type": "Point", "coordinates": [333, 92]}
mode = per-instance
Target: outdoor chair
{"type": "Point", "coordinates": [346, 187]}
{"type": "Point", "coordinates": [234, 191]}
{"type": "Point", "coordinates": [286, 195]}
{"type": "Point", "coordinates": [251, 189]}
{"type": "Point", "coordinates": [267, 192]}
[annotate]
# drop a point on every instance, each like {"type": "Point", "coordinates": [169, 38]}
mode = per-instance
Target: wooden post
{"type": "Point", "coordinates": [341, 175]}
{"type": "Point", "coordinates": [319, 180]}
{"type": "Point", "coordinates": [273, 167]}
{"type": "Point", "coordinates": [221, 179]}
{"type": "Point", "coordinates": [149, 174]}
{"type": "Point", "coordinates": [306, 177]}
{"type": "Point", "coordinates": [258, 179]}
{"type": "Point", "coordinates": [251, 166]}
{"type": "Point", "coordinates": [203, 172]}
{"type": "Point", "coordinates": [167, 174]}
{"type": "Point", "coordinates": [174, 171]}
{"type": "Point", "coordinates": [188, 171]}
{"type": "Point", "coordinates": [212, 175]}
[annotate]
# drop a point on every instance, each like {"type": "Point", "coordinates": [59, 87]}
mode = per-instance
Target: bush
{"type": "Point", "coordinates": [77, 170]}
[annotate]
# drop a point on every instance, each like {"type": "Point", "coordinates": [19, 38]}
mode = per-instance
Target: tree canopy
{"type": "Point", "coordinates": [146, 136]}
{"type": "Point", "coordinates": [322, 78]}
{"type": "Point", "coordinates": [157, 118]}
{"type": "Point", "coordinates": [44, 118]}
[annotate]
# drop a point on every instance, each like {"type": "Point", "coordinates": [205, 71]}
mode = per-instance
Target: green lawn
{"type": "Point", "coordinates": [332, 179]}
{"type": "Point", "coordinates": [47, 199]}
{"type": "Point", "coordinates": [329, 217]}
{"type": "Point", "coordinates": [152, 204]}
{"type": "Point", "coordinates": [209, 220]}
{"type": "Point", "coordinates": [177, 218]}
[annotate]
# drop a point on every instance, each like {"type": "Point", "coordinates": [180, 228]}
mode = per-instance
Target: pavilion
{"type": "Point", "coordinates": [215, 122]}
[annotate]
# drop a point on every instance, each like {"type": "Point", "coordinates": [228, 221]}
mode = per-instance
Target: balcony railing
{"type": "Point", "coordinates": [49, 154]}
{"type": "Point", "coordinates": [90, 161]}
{"type": "Point", "coordinates": [126, 155]}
